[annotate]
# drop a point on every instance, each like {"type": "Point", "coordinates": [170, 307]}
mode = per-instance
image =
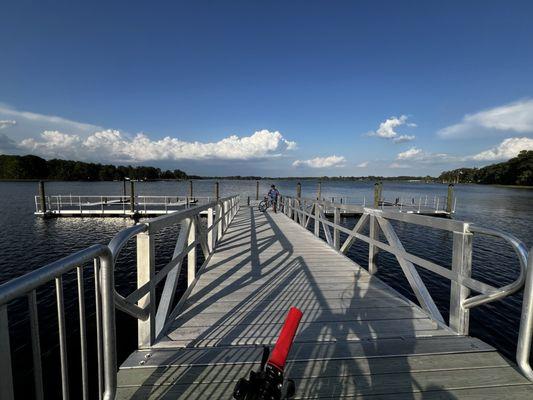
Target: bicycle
{"type": "Point", "coordinates": [264, 204]}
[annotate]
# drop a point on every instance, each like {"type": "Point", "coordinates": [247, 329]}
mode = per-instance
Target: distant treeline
{"type": "Point", "coordinates": [327, 178]}
{"type": "Point", "coordinates": [33, 167]}
{"type": "Point", "coordinates": [516, 171]}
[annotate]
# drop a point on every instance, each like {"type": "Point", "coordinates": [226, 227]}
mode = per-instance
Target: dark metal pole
{"type": "Point", "coordinates": [217, 193]}
{"type": "Point", "coordinates": [190, 190]}
{"type": "Point", "coordinates": [319, 191]}
{"type": "Point", "coordinates": [42, 197]}
{"type": "Point", "coordinates": [257, 190]}
{"type": "Point", "coordinates": [132, 196]}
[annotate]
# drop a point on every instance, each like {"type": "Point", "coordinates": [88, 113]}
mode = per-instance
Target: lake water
{"type": "Point", "coordinates": [28, 242]}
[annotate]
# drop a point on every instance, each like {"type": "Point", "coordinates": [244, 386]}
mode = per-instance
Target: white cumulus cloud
{"type": "Point", "coordinates": [417, 154]}
{"type": "Point", "coordinates": [364, 164]}
{"type": "Point", "coordinates": [53, 144]}
{"type": "Point", "coordinates": [403, 138]}
{"type": "Point", "coordinates": [113, 145]}
{"type": "Point", "coordinates": [507, 149]}
{"type": "Point", "coordinates": [412, 153]}
{"type": "Point", "coordinates": [6, 123]}
{"type": "Point", "coordinates": [514, 117]}
{"type": "Point", "coordinates": [387, 129]}
{"type": "Point", "coordinates": [321, 162]}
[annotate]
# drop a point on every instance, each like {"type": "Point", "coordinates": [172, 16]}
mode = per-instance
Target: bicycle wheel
{"type": "Point", "coordinates": [263, 206]}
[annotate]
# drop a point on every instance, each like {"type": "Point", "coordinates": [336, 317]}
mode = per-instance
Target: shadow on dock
{"type": "Point", "coordinates": [343, 348]}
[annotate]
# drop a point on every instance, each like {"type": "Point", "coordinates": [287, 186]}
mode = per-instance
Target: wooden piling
{"type": "Point", "coordinates": [377, 194]}
{"type": "Point", "coordinates": [257, 190]}
{"type": "Point", "coordinates": [217, 192]}
{"type": "Point", "coordinates": [449, 198]}
{"type": "Point", "coordinates": [42, 197]}
{"type": "Point", "coordinates": [319, 191]}
{"type": "Point", "coordinates": [299, 190]}
{"type": "Point", "coordinates": [191, 193]}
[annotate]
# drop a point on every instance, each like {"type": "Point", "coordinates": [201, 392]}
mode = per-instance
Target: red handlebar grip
{"type": "Point", "coordinates": [284, 342]}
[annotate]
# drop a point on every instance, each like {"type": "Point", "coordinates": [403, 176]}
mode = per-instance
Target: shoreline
{"type": "Point", "coordinates": [322, 179]}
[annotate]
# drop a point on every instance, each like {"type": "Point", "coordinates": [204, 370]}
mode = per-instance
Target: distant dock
{"type": "Point", "coordinates": [127, 205]}
{"type": "Point", "coordinates": [114, 206]}
{"type": "Point", "coordinates": [148, 206]}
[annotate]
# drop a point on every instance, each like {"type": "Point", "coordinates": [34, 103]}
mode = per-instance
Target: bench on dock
{"type": "Point", "coordinates": [359, 338]}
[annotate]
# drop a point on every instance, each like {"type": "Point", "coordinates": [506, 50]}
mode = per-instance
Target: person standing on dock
{"type": "Point", "coordinates": [273, 194]}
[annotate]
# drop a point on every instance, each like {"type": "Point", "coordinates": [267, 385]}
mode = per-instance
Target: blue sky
{"type": "Point", "coordinates": [269, 88]}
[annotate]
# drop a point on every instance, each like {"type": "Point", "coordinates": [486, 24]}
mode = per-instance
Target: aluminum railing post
{"type": "Point", "coordinates": [220, 221]}
{"type": "Point", "coordinates": [373, 250]}
{"type": "Point", "coordinates": [462, 265]}
{"type": "Point", "coordinates": [191, 256]}
{"type": "Point", "coordinates": [303, 217]}
{"type": "Point", "coordinates": [6, 372]}
{"type": "Point", "coordinates": [109, 339]}
{"type": "Point", "coordinates": [336, 232]}
{"type": "Point", "coordinates": [317, 216]}
{"type": "Point", "coordinates": [146, 273]}
{"type": "Point", "coordinates": [523, 349]}
{"type": "Point", "coordinates": [209, 230]}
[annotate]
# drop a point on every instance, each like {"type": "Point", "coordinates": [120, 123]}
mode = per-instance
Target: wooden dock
{"type": "Point", "coordinates": [358, 339]}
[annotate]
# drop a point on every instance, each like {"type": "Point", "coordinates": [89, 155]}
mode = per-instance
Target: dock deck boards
{"type": "Point", "coordinates": [358, 337]}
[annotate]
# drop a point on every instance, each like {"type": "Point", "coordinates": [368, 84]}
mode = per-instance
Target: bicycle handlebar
{"type": "Point", "coordinates": [283, 345]}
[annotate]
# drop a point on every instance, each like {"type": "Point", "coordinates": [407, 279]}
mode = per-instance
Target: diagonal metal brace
{"type": "Point", "coordinates": [357, 228]}
{"type": "Point", "coordinates": [418, 286]}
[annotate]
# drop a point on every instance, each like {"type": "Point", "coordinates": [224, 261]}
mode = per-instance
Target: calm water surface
{"type": "Point", "coordinates": [27, 243]}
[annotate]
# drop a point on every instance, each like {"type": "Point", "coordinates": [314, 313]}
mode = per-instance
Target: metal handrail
{"type": "Point", "coordinates": [525, 334]}
{"type": "Point", "coordinates": [521, 251]}
{"type": "Point", "coordinates": [120, 240]}
{"type": "Point", "coordinates": [115, 245]}
{"type": "Point", "coordinates": [495, 293]}
{"type": "Point", "coordinates": [27, 285]}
